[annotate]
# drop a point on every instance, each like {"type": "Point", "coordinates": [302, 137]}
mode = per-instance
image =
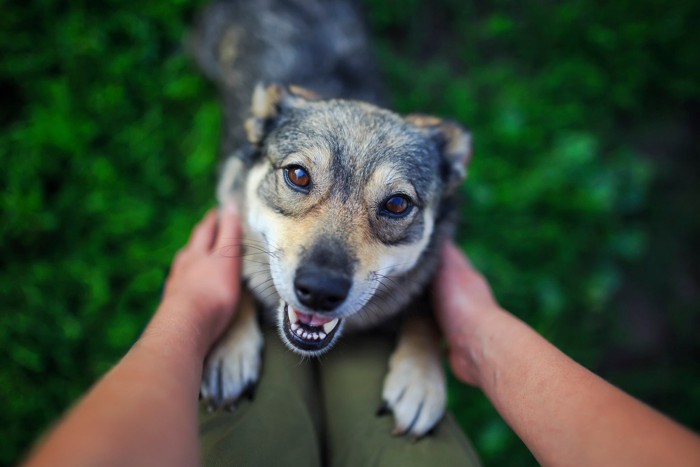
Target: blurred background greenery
{"type": "Point", "coordinates": [581, 206]}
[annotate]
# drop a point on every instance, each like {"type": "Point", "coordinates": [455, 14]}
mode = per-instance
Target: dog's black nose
{"type": "Point", "coordinates": [319, 289]}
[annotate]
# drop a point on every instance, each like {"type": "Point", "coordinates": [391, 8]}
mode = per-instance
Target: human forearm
{"type": "Point", "coordinates": [564, 413]}
{"type": "Point", "coordinates": [143, 412]}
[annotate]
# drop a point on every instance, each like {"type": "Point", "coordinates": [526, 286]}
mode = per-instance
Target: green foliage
{"type": "Point", "coordinates": [108, 149]}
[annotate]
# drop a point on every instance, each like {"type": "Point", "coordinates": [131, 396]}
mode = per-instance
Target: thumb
{"type": "Point", "coordinates": [229, 230]}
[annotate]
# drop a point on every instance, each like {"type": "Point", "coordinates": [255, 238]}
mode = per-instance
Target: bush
{"type": "Point", "coordinates": [109, 149]}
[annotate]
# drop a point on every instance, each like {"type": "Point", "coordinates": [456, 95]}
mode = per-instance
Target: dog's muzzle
{"type": "Point", "coordinates": [308, 332]}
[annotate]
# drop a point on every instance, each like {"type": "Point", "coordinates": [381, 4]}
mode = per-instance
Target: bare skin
{"type": "Point", "coordinates": [565, 414]}
{"type": "Point", "coordinates": [144, 411]}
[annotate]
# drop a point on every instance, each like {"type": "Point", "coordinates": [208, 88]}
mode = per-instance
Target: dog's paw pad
{"type": "Point", "coordinates": [414, 391]}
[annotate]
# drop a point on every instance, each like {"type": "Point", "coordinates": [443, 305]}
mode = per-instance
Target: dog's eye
{"type": "Point", "coordinates": [397, 205]}
{"type": "Point", "coordinates": [297, 177]}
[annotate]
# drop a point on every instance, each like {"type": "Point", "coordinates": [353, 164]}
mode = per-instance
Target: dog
{"type": "Point", "coordinates": [344, 203]}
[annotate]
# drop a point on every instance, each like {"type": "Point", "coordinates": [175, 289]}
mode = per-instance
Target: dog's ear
{"type": "Point", "coordinates": [453, 142]}
{"type": "Point", "coordinates": [269, 104]}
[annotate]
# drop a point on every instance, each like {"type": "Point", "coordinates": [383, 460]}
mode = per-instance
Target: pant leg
{"type": "Point", "coordinates": [280, 427]}
{"type": "Point", "coordinates": [352, 376]}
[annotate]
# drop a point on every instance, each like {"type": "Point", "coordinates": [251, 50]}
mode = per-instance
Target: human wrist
{"type": "Point", "coordinates": [500, 337]}
{"type": "Point", "coordinates": [470, 344]}
{"type": "Point", "coordinates": [179, 322]}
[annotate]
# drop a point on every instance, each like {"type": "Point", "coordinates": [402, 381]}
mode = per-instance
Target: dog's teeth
{"type": "Point", "coordinates": [317, 335]}
{"type": "Point", "coordinates": [291, 315]}
{"type": "Point", "coordinates": [330, 325]}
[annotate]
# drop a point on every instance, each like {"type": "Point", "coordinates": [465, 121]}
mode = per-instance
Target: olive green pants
{"type": "Point", "coordinates": [323, 412]}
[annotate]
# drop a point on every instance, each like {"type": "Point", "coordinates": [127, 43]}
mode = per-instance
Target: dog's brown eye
{"type": "Point", "coordinates": [297, 177]}
{"type": "Point", "coordinates": [397, 205]}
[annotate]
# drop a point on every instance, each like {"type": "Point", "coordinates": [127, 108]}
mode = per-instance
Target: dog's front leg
{"type": "Point", "coordinates": [233, 366]}
{"type": "Point", "coordinates": [414, 389]}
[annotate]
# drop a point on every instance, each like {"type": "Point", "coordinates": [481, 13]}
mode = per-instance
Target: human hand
{"type": "Point", "coordinates": [462, 301]}
{"type": "Point", "coordinates": [203, 285]}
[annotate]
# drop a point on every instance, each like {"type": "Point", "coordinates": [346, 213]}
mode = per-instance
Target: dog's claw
{"type": "Point", "coordinates": [210, 406]}
{"type": "Point", "coordinates": [383, 409]}
{"type": "Point", "coordinates": [249, 391]}
{"type": "Point", "coordinates": [412, 437]}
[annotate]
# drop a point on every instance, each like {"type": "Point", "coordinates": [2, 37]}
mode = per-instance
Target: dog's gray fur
{"type": "Point", "coordinates": [330, 249]}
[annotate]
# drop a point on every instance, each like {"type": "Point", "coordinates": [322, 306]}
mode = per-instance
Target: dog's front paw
{"type": "Point", "coordinates": [414, 390]}
{"type": "Point", "coordinates": [233, 367]}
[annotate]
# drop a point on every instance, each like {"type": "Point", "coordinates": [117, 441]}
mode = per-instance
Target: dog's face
{"type": "Point", "coordinates": [345, 196]}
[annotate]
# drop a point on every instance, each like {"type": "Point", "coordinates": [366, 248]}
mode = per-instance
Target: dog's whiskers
{"type": "Point", "coordinates": [258, 273]}
{"type": "Point", "coordinates": [393, 266]}
{"type": "Point", "coordinates": [252, 261]}
{"type": "Point", "coordinates": [387, 292]}
{"type": "Point", "coordinates": [242, 251]}
{"type": "Point", "coordinates": [263, 287]}
{"type": "Point", "coordinates": [266, 292]}
{"type": "Point", "coordinates": [381, 278]}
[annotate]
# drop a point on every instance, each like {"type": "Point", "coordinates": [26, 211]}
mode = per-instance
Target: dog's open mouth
{"type": "Point", "coordinates": [310, 332]}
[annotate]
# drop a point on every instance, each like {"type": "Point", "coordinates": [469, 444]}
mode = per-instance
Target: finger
{"type": "Point", "coordinates": [457, 267]}
{"type": "Point", "coordinates": [453, 257]}
{"type": "Point", "coordinates": [449, 264]}
{"type": "Point", "coordinates": [203, 234]}
{"type": "Point", "coordinates": [459, 284]}
{"type": "Point", "coordinates": [229, 231]}
{"type": "Point", "coordinates": [452, 277]}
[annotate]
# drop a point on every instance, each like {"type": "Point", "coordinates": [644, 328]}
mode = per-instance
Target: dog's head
{"type": "Point", "coordinates": [345, 196]}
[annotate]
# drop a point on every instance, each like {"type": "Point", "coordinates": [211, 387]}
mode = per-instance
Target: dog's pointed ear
{"type": "Point", "coordinates": [453, 142]}
{"type": "Point", "coordinates": [269, 104]}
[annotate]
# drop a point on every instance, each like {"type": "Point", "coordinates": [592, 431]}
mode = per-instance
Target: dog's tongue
{"type": "Point", "coordinates": [312, 320]}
